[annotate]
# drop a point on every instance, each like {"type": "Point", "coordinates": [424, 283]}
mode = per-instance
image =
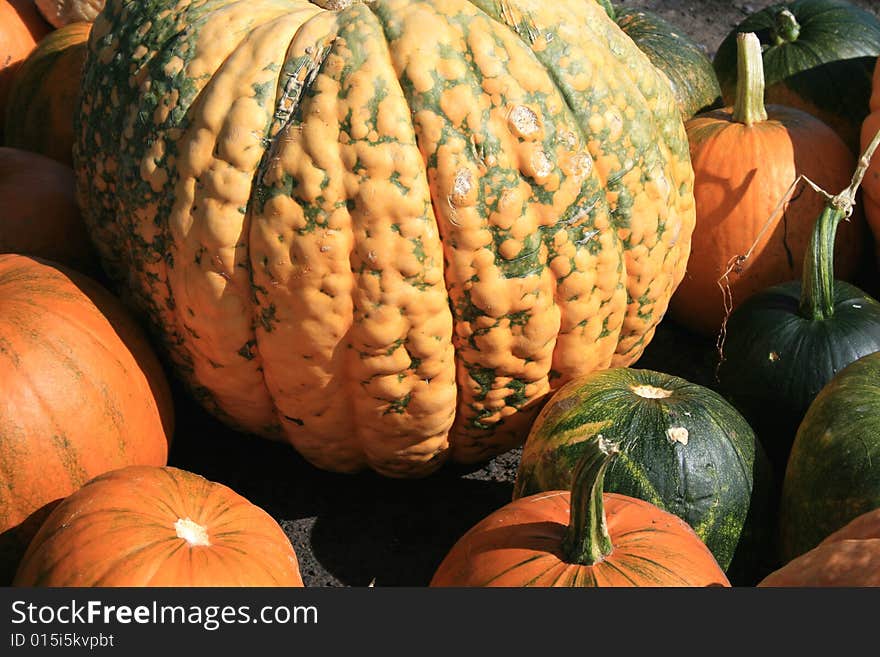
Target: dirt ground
{"type": "Point", "coordinates": [363, 529]}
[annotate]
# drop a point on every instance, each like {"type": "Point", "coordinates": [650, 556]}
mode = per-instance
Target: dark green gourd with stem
{"type": "Point", "coordinates": [784, 344]}
{"type": "Point", "coordinates": [818, 57]}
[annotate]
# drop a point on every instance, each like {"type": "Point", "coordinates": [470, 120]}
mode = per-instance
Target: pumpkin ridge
{"type": "Point", "coordinates": [649, 158]}
{"type": "Point", "coordinates": [43, 538]}
{"type": "Point", "coordinates": [250, 347]}
{"type": "Point", "coordinates": [123, 559]}
{"type": "Point", "coordinates": [279, 121]}
{"type": "Point", "coordinates": [390, 256]}
{"type": "Point", "coordinates": [479, 329]}
{"type": "Point", "coordinates": [516, 566]}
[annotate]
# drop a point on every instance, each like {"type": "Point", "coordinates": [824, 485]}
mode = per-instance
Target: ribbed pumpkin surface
{"type": "Point", "coordinates": [152, 526]}
{"type": "Point", "coordinates": [81, 393]}
{"type": "Point", "coordinates": [520, 545]}
{"type": "Point", "coordinates": [386, 230]}
{"type": "Point", "coordinates": [39, 112]}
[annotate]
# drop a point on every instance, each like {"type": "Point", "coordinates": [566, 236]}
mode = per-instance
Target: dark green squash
{"type": "Point", "coordinates": [682, 60]}
{"type": "Point", "coordinates": [783, 345]}
{"type": "Point", "coordinates": [818, 57]}
{"type": "Point", "coordinates": [683, 448]}
{"type": "Point", "coordinates": [833, 474]}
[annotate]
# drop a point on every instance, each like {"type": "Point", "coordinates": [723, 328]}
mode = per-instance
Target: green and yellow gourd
{"type": "Point", "coordinates": [690, 72]}
{"type": "Point", "coordinates": [683, 448]}
{"type": "Point", "coordinates": [383, 231]}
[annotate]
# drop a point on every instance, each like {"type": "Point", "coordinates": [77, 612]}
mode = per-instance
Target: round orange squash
{"type": "Point", "coordinates": [39, 110]}
{"type": "Point", "coordinates": [21, 27]}
{"type": "Point", "coordinates": [81, 393]}
{"type": "Point", "coordinates": [745, 159]}
{"type": "Point", "coordinates": [848, 557]}
{"type": "Point", "coordinates": [871, 183]}
{"type": "Point", "coordinates": [584, 538]}
{"type": "Point", "coordinates": [39, 214]}
{"type": "Point", "coordinates": [158, 526]}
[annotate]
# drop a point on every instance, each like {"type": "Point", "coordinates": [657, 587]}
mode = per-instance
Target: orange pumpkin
{"type": "Point", "coordinates": [158, 526]}
{"type": "Point", "coordinates": [745, 159]}
{"type": "Point", "coordinates": [848, 557]}
{"type": "Point", "coordinates": [21, 27]}
{"type": "Point", "coordinates": [871, 183]}
{"type": "Point", "coordinates": [585, 539]}
{"type": "Point", "coordinates": [39, 110]}
{"type": "Point", "coordinates": [40, 216]}
{"type": "Point", "coordinates": [81, 393]}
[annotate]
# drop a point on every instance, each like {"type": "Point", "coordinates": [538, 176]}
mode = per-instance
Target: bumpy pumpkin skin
{"type": "Point", "coordinates": [66, 12]}
{"type": "Point", "coordinates": [40, 216]}
{"type": "Point", "coordinates": [832, 476]}
{"type": "Point", "coordinates": [742, 172]}
{"type": "Point", "coordinates": [351, 237]}
{"type": "Point", "coordinates": [683, 448]}
{"type": "Point", "coordinates": [158, 526]}
{"type": "Point", "coordinates": [520, 545]}
{"type": "Point", "coordinates": [21, 27]}
{"type": "Point", "coordinates": [81, 393]}
{"type": "Point", "coordinates": [39, 111]}
{"type": "Point", "coordinates": [871, 183]}
{"type": "Point", "coordinates": [848, 557]}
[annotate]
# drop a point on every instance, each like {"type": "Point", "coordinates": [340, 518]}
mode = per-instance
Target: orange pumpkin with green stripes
{"type": "Point", "coordinates": [81, 393]}
{"type": "Point", "coordinates": [384, 231]}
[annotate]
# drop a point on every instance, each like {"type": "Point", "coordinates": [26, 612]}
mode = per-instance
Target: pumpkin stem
{"type": "Point", "coordinates": [786, 28]}
{"type": "Point", "coordinates": [586, 540]}
{"type": "Point", "coordinates": [749, 107]}
{"type": "Point", "coordinates": [817, 287]}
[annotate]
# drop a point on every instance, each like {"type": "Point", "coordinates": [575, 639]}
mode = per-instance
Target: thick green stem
{"type": "Point", "coordinates": [786, 28]}
{"type": "Point", "coordinates": [749, 107]}
{"type": "Point", "coordinates": [586, 540]}
{"type": "Point", "coordinates": [817, 286]}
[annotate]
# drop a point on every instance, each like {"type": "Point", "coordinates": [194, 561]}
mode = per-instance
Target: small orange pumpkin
{"type": "Point", "coordinates": [81, 393]}
{"type": "Point", "coordinates": [158, 526]}
{"type": "Point", "coordinates": [39, 110]}
{"type": "Point", "coordinates": [583, 539]}
{"type": "Point", "coordinates": [848, 557]}
{"type": "Point", "coordinates": [39, 215]}
{"type": "Point", "coordinates": [21, 27]}
{"type": "Point", "coordinates": [745, 159]}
